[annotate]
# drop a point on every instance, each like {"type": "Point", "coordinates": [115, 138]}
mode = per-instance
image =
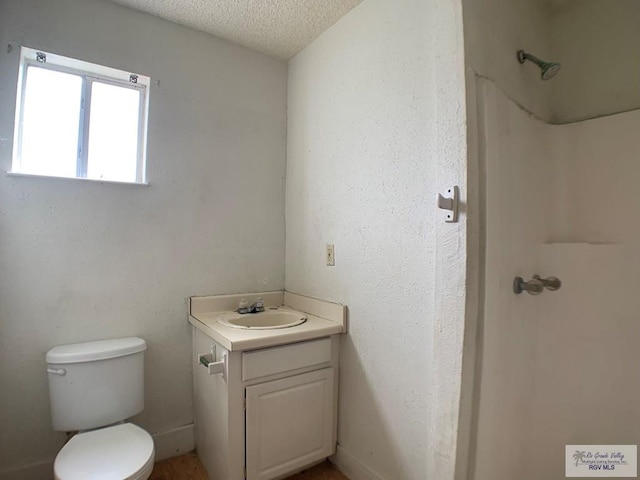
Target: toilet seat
{"type": "Point", "coordinates": [121, 452]}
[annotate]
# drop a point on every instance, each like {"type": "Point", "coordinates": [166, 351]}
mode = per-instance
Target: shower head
{"type": "Point", "coordinates": [549, 69]}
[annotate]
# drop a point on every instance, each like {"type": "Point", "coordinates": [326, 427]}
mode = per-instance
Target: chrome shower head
{"type": "Point", "coordinates": [549, 69]}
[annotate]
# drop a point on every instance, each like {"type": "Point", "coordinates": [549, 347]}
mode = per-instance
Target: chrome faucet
{"type": "Point", "coordinates": [256, 307]}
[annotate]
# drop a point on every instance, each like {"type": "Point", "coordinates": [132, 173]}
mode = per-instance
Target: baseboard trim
{"type": "Point", "coordinates": [352, 467]}
{"type": "Point", "coordinates": [42, 470]}
{"type": "Point", "coordinates": [174, 442]}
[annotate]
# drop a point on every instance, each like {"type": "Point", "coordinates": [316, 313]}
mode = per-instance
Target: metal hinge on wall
{"type": "Point", "coordinates": [450, 203]}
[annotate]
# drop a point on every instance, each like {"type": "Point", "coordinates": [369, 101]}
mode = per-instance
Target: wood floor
{"type": "Point", "coordinates": [188, 467]}
{"type": "Point", "coordinates": [324, 471]}
{"type": "Point", "coordinates": [184, 467]}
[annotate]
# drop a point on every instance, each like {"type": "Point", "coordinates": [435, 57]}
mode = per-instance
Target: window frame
{"type": "Point", "coordinates": [89, 73]}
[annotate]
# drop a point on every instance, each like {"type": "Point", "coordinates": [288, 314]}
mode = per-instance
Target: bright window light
{"type": "Point", "coordinates": [50, 122]}
{"type": "Point", "coordinates": [80, 120]}
{"type": "Point", "coordinates": [113, 133]}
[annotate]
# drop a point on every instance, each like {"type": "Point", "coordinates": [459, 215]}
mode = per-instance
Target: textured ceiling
{"type": "Point", "coordinates": [277, 27]}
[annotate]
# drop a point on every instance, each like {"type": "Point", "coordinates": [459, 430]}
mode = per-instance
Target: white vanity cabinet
{"type": "Point", "coordinates": [272, 412]}
{"type": "Point", "coordinates": [289, 423]}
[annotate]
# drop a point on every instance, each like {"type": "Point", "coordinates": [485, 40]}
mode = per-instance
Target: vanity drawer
{"type": "Point", "coordinates": [270, 361]}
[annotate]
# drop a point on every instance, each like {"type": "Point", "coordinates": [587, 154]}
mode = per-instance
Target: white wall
{"type": "Point", "coordinates": [83, 261]}
{"type": "Point", "coordinates": [494, 31]}
{"type": "Point", "coordinates": [596, 42]}
{"type": "Point", "coordinates": [375, 130]}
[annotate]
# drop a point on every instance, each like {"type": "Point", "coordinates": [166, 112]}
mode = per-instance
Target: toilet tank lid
{"type": "Point", "coordinates": [92, 351]}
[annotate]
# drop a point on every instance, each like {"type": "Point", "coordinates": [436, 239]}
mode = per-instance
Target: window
{"type": "Point", "coordinates": [80, 120]}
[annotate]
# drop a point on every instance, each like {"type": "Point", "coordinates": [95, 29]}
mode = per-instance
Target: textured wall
{"type": "Point", "coordinates": [375, 130]}
{"type": "Point", "coordinates": [82, 261]}
{"type": "Point", "coordinates": [597, 45]}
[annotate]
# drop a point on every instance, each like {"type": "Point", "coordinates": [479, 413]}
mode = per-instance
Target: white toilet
{"type": "Point", "coordinates": [93, 388]}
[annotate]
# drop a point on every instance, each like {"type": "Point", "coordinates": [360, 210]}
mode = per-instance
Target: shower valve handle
{"type": "Point", "coordinates": [550, 283]}
{"type": "Point", "coordinates": [532, 287]}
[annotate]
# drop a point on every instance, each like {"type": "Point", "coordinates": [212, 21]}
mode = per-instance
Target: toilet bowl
{"type": "Point", "coordinates": [114, 453]}
{"type": "Point", "coordinates": [93, 388]}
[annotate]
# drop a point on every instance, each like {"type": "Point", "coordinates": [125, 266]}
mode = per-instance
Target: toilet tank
{"type": "Point", "coordinates": [96, 384]}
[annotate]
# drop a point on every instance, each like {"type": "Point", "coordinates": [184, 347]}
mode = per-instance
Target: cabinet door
{"type": "Point", "coordinates": [289, 424]}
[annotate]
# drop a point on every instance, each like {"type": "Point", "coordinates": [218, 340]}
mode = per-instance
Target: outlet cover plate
{"type": "Point", "coordinates": [331, 255]}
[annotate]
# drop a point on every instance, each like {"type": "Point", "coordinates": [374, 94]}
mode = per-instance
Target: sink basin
{"type": "Point", "coordinates": [266, 320]}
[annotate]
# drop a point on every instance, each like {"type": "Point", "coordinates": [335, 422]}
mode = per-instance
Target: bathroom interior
{"type": "Point", "coordinates": [278, 128]}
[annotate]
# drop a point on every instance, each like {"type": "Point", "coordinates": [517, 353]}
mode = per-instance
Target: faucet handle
{"type": "Point", "coordinates": [550, 283]}
{"type": "Point", "coordinates": [258, 306]}
{"type": "Point", "coordinates": [532, 287]}
{"type": "Point", "coordinates": [243, 306]}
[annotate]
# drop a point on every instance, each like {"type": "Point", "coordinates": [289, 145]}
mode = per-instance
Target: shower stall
{"type": "Point", "coordinates": [560, 198]}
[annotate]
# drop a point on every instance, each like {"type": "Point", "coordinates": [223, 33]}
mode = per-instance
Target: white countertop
{"type": "Point", "coordinates": [237, 339]}
{"type": "Point", "coordinates": [234, 339]}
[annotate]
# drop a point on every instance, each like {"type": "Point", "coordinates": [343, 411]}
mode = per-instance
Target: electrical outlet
{"type": "Point", "coordinates": [331, 255]}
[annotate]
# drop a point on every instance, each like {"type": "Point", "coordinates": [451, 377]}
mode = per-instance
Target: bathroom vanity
{"type": "Point", "coordinates": [265, 398]}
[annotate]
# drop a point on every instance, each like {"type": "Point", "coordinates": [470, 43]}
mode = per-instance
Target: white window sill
{"type": "Point", "coordinates": [93, 180]}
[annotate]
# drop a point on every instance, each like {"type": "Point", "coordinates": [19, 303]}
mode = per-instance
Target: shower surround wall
{"type": "Point", "coordinates": [597, 43]}
{"type": "Point", "coordinates": [517, 164]}
{"type": "Point", "coordinates": [587, 385]}
{"type": "Point", "coordinates": [494, 30]}
{"type": "Point", "coordinates": [558, 368]}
